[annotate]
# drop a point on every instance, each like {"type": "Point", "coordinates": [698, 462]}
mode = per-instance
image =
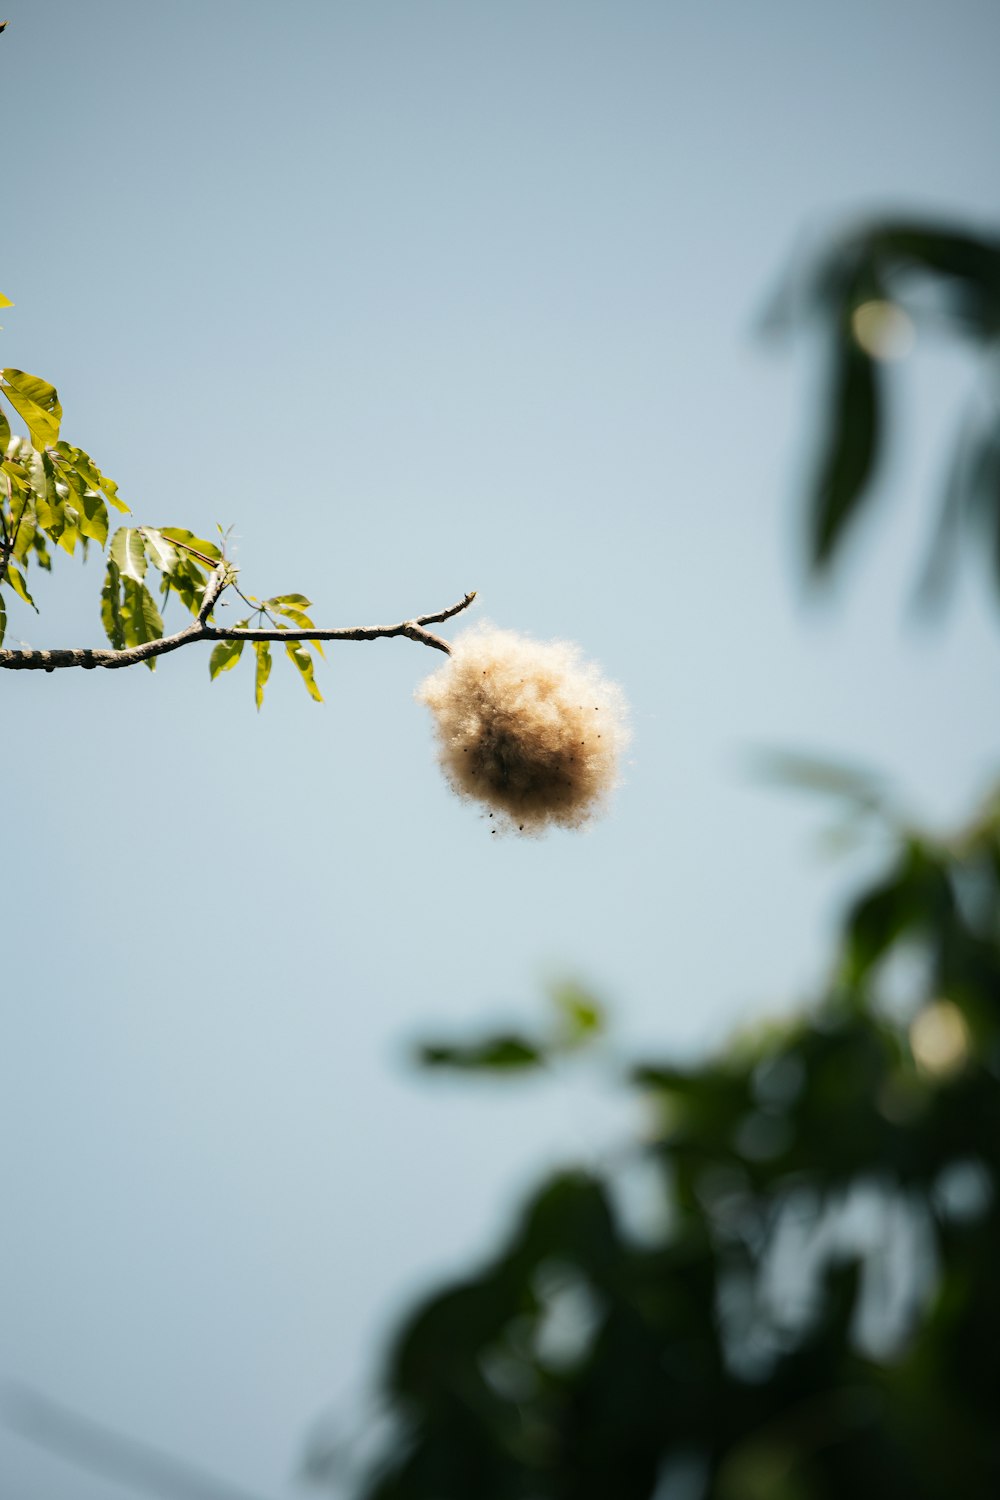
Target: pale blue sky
{"type": "Point", "coordinates": [423, 297]}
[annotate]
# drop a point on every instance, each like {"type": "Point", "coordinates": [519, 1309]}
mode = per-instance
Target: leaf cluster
{"type": "Point", "coordinates": [53, 495]}
{"type": "Point", "coordinates": [281, 612]}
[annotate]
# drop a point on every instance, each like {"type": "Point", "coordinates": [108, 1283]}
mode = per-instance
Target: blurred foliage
{"type": "Point", "coordinates": [577, 1020]}
{"type": "Point", "coordinates": [812, 1309]}
{"type": "Point", "coordinates": [53, 495]}
{"type": "Point", "coordinates": [872, 292]}
{"type": "Point", "coordinates": [806, 1304]}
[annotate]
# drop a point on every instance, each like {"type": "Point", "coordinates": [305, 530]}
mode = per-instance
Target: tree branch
{"type": "Point", "coordinates": [201, 630]}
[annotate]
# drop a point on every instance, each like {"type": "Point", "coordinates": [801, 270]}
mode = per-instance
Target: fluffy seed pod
{"type": "Point", "coordinates": [526, 727]}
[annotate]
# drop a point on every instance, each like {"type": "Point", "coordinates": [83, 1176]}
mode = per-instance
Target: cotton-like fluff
{"type": "Point", "coordinates": [527, 727]}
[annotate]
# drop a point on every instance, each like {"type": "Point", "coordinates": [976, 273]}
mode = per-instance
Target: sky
{"type": "Point", "coordinates": [421, 296]}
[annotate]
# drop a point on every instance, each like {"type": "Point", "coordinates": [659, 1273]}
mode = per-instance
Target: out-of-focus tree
{"type": "Point", "coordinates": [808, 1308]}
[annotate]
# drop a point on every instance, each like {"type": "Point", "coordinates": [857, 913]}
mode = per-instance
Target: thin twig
{"type": "Point", "coordinates": [26, 659]}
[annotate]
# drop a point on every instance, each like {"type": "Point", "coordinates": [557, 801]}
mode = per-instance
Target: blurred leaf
{"type": "Point", "coordinates": [580, 1017]}
{"type": "Point", "coordinates": [983, 494]}
{"type": "Point", "coordinates": [809, 773]}
{"type": "Point", "coordinates": [914, 900]}
{"type": "Point", "coordinates": [36, 402]}
{"type": "Point", "coordinates": [3, 619]}
{"type": "Point", "coordinates": [849, 451]}
{"type": "Point", "coordinates": [970, 262]}
{"type": "Point", "coordinates": [938, 570]}
{"type": "Point", "coordinates": [499, 1054]}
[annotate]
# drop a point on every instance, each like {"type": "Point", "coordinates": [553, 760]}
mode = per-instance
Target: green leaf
{"type": "Point", "coordinates": [850, 451]}
{"type": "Point", "coordinates": [151, 618]}
{"type": "Point", "coordinates": [111, 614]}
{"type": "Point", "coordinates": [92, 513]}
{"type": "Point", "coordinates": [290, 611]}
{"type": "Point", "coordinates": [3, 619]}
{"type": "Point", "coordinates": [5, 433]}
{"type": "Point", "coordinates": [89, 475]}
{"type": "Point", "coordinates": [141, 620]}
{"type": "Point", "coordinates": [160, 551]}
{"type": "Point", "coordinates": [19, 586]}
{"type": "Point", "coordinates": [195, 545]}
{"type": "Point", "coordinates": [128, 553]}
{"type": "Point", "coordinates": [50, 512]}
{"type": "Point", "coordinates": [297, 601]}
{"type": "Point", "coordinates": [498, 1054]}
{"type": "Point", "coordinates": [299, 654]}
{"type": "Point", "coordinates": [291, 606]}
{"type": "Point", "coordinates": [187, 581]}
{"type": "Point", "coordinates": [263, 672]}
{"type": "Point", "coordinates": [808, 773]}
{"type": "Point", "coordinates": [295, 615]}
{"type": "Point", "coordinates": [42, 557]}
{"type": "Point", "coordinates": [225, 656]}
{"type": "Point", "coordinates": [36, 402]}
{"type": "Point", "coordinates": [24, 526]}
